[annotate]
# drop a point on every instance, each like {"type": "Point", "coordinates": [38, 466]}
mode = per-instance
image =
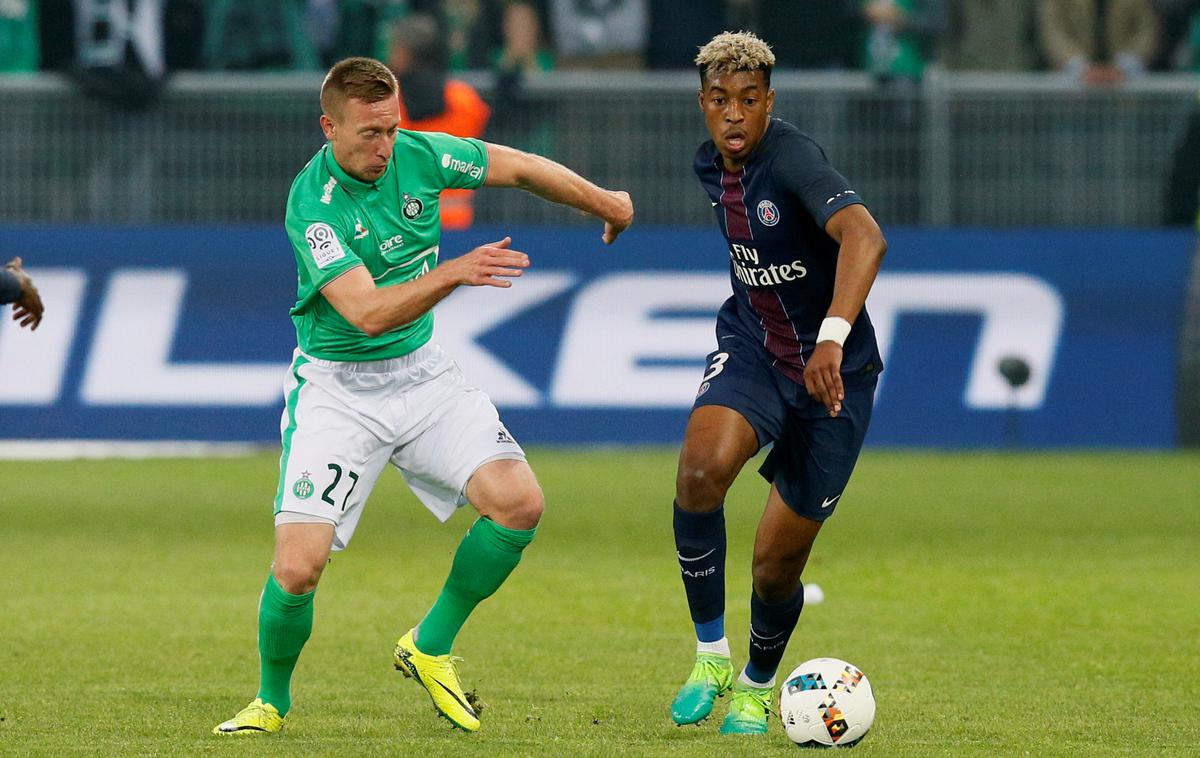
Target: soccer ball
{"type": "Point", "coordinates": [826, 701]}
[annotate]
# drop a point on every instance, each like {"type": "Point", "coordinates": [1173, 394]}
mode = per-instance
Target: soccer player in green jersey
{"type": "Point", "coordinates": [367, 387]}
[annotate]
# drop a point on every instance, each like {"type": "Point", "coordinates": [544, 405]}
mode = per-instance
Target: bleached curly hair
{"type": "Point", "coordinates": [735, 51]}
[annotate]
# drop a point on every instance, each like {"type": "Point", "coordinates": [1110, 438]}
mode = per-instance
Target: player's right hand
{"type": "Point", "coordinates": [490, 265]}
{"type": "Point", "coordinates": [823, 377]}
{"type": "Point", "coordinates": [28, 307]}
{"type": "Point", "coordinates": [620, 219]}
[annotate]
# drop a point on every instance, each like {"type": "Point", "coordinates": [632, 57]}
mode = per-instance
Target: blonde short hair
{"type": "Point", "coordinates": [735, 51]}
{"type": "Point", "coordinates": [364, 79]}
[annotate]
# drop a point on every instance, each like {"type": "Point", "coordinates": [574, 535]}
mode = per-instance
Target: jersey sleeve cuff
{"type": "Point", "coordinates": [335, 275]}
{"type": "Point", "coordinates": [835, 206]}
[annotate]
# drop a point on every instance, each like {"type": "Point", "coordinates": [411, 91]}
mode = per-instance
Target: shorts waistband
{"type": "Point", "coordinates": [385, 366]}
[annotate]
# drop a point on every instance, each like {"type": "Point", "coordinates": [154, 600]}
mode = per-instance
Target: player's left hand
{"type": "Point", "coordinates": [620, 219]}
{"type": "Point", "coordinates": [823, 376]}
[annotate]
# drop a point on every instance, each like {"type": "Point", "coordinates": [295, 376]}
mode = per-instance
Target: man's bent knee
{"type": "Point", "coordinates": [702, 482]}
{"type": "Point", "coordinates": [522, 511]}
{"type": "Point", "coordinates": [301, 553]}
{"type": "Point", "coordinates": [716, 445]}
{"type": "Point", "coordinates": [297, 577]}
{"type": "Point", "coordinates": [776, 581]}
{"type": "Point", "coordinates": [507, 492]}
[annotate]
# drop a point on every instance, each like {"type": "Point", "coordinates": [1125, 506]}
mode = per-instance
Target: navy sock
{"type": "Point", "coordinates": [700, 547]}
{"type": "Point", "coordinates": [771, 626]}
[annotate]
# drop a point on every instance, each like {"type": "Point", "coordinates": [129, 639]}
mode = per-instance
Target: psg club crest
{"type": "Point", "coordinates": [412, 207]}
{"type": "Point", "coordinates": [768, 214]}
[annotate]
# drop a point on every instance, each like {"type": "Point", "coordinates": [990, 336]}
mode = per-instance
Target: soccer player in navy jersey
{"type": "Point", "coordinates": [795, 365]}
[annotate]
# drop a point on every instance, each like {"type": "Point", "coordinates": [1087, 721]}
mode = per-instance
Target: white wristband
{"type": "Point", "coordinates": [834, 328]}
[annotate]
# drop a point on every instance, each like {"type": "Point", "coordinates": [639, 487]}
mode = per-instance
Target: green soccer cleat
{"type": "Point", "coordinates": [748, 710]}
{"type": "Point", "coordinates": [256, 718]}
{"type": "Point", "coordinates": [711, 677]}
{"type": "Point", "coordinates": [439, 677]}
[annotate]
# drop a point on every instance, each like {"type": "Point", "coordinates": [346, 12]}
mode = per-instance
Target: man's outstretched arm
{"type": "Point", "coordinates": [508, 167]}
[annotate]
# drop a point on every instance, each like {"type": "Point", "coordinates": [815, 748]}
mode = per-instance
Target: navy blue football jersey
{"type": "Point", "coordinates": [782, 262]}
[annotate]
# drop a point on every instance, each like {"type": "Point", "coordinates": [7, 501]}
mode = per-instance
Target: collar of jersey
{"type": "Point", "coordinates": [355, 186]}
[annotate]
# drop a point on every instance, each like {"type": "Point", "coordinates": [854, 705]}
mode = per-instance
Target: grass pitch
{"type": "Point", "coordinates": [1039, 604]}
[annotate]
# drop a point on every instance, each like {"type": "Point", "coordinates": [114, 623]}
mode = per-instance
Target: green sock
{"type": "Point", "coordinates": [486, 556]}
{"type": "Point", "coordinates": [284, 624]}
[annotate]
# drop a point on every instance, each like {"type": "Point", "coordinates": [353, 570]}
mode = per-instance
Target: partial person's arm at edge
{"type": "Point", "coordinates": [508, 167]}
{"type": "Point", "coordinates": [10, 287]}
{"type": "Point", "coordinates": [375, 310]}
{"type": "Point", "coordinates": [860, 253]}
{"type": "Point", "coordinates": [861, 250]}
{"type": "Point", "coordinates": [27, 302]}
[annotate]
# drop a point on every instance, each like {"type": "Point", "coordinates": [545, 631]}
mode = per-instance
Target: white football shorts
{"type": "Point", "coordinates": [343, 422]}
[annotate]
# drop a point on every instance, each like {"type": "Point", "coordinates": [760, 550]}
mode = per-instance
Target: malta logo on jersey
{"type": "Point", "coordinates": [463, 167]}
{"type": "Point", "coordinates": [411, 207]}
{"type": "Point", "coordinates": [768, 214]}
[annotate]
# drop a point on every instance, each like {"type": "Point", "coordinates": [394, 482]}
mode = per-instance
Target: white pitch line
{"type": "Point", "coordinates": [59, 450]}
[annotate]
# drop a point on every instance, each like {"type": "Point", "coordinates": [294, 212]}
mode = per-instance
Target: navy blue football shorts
{"type": "Point", "coordinates": [814, 453]}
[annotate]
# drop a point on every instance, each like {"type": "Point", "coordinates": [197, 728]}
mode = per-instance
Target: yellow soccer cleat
{"type": "Point", "coordinates": [748, 709]}
{"type": "Point", "coordinates": [256, 718]}
{"type": "Point", "coordinates": [437, 674]}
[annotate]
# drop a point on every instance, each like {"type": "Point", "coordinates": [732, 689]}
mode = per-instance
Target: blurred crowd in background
{"type": "Point", "coordinates": [123, 52]}
{"type": "Point", "coordinates": [1097, 41]}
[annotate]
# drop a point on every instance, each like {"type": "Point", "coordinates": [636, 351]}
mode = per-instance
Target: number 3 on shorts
{"type": "Point", "coordinates": [718, 365]}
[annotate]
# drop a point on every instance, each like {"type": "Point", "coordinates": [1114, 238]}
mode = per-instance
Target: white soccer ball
{"type": "Point", "coordinates": [826, 701]}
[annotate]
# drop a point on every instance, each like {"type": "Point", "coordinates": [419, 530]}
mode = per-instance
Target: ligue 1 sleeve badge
{"type": "Point", "coordinates": [768, 214]}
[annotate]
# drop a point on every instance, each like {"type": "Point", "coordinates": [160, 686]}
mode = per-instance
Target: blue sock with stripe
{"type": "Point", "coordinates": [771, 626]}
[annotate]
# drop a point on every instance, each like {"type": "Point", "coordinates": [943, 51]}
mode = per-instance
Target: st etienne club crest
{"type": "Point", "coordinates": [768, 214]}
{"type": "Point", "coordinates": [411, 207]}
{"type": "Point", "coordinates": [304, 487]}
